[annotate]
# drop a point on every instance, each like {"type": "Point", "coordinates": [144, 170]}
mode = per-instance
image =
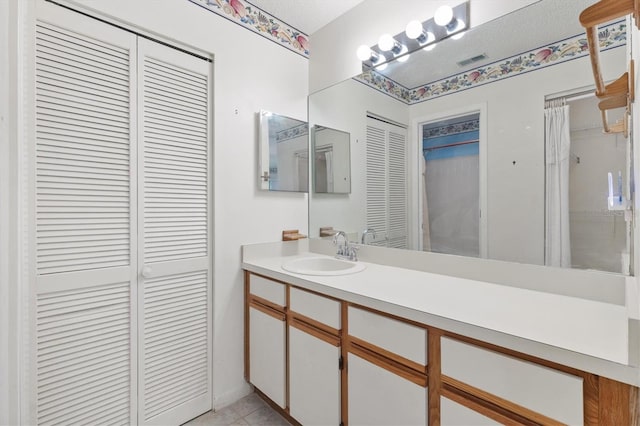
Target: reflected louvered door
{"type": "Point", "coordinates": [376, 181]}
{"type": "Point", "coordinates": [85, 230]}
{"type": "Point", "coordinates": [397, 187]}
{"type": "Point", "coordinates": [386, 183]}
{"type": "Point", "coordinates": [174, 235]}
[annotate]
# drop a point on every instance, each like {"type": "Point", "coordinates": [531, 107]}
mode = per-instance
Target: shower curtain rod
{"type": "Point", "coordinates": [452, 144]}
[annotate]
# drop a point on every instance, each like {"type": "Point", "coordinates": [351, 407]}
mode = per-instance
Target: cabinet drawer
{"type": "Point", "coordinates": [549, 392]}
{"type": "Point", "coordinates": [272, 291]}
{"type": "Point", "coordinates": [321, 309]}
{"type": "Point", "coordinates": [395, 336]}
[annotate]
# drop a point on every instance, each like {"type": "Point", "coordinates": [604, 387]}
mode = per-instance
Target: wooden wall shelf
{"type": "Point", "coordinates": [621, 92]}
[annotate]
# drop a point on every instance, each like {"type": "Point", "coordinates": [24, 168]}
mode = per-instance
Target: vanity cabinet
{"type": "Point", "coordinates": [386, 362]}
{"type": "Point", "coordinates": [326, 361]}
{"type": "Point", "coordinates": [266, 352]}
{"type": "Point", "coordinates": [314, 358]}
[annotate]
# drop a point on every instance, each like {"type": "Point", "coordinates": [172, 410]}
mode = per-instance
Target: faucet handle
{"type": "Point", "coordinates": [353, 253]}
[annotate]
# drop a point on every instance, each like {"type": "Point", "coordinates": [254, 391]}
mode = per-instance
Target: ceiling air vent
{"type": "Point", "coordinates": [473, 59]}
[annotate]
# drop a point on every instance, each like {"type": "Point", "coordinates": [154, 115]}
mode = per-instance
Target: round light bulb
{"type": "Point", "coordinates": [381, 67]}
{"type": "Point", "coordinates": [459, 35]}
{"type": "Point", "coordinates": [430, 37]}
{"type": "Point", "coordinates": [363, 53]}
{"type": "Point", "coordinates": [414, 30]}
{"type": "Point", "coordinates": [430, 47]}
{"type": "Point", "coordinates": [443, 15]}
{"type": "Point", "coordinates": [386, 42]}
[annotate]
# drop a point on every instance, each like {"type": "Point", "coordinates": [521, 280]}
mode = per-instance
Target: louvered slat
{"type": "Point", "coordinates": [175, 162]}
{"type": "Point", "coordinates": [175, 340]}
{"type": "Point", "coordinates": [82, 152]}
{"type": "Point", "coordinates": [83, 364]}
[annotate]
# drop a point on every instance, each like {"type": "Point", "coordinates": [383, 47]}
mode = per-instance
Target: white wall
{"type": "Point", "coordinates": [333, 56]}
{"type": "Point", "coordinates": [344, 107]}
{"type": "Point", "coordinates": [250, 73]}
{"type": "Point", "coordinates": [515, 129]}
{"type": "Point", "coordinates": [9, 391]}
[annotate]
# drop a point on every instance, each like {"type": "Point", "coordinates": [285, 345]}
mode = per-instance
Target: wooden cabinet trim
{"type": "Point", "coordinates": [314, 328]}
{"type": "Point", "coordinates": [267, 307]}
{"type": "Point", "coordinates": [344, 377]}
{"type": "Point", "coordinates": [247, 345]}
{"type": "Point", "coordinates": [434, 375]}
{"type": "Point", "coordinates": [618, 403]}
{"type": "Point", "coordinates": [489, 405]}
{"type": "Point", "coordinates": [394, 363]}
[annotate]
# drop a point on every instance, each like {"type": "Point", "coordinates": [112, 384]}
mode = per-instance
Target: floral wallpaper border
{"type": "Point", "coordinates": [453, 129]}
{"type": "Point", "coordinates": [611, 36]}
{"type": "Point", "coordinates": [292, 132]}
{"type": "Point", "coordinates": [257, 20]}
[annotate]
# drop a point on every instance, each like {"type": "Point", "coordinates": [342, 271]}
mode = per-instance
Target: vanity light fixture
{"type": "Point", "coordinates": [448, 22]}
{"type": "Point", "coordinates": [415, 31]}
{"type": "Point", "coordinates": [378, 60]}
{"type": "Point", "coordinates": [386, 43]}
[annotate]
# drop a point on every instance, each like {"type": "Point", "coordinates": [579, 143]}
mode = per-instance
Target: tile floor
{"type": "Point", "coordinates": [250, 410]}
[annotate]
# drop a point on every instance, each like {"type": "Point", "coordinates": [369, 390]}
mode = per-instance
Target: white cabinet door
{"type": "Point", "coordinates": [267, 337]}
{"type": "Point", "coordinates": [454, 414]}
{"type": "Point", "coordinates": [314, 379]}
{"type": "Point", "coordinates": [379, 397]}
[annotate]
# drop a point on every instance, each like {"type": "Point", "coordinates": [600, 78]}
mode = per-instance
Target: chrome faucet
{"type": "Point", "coordinates": [345, 251]}
{"type": "Point", "coordinates": [365, 233]}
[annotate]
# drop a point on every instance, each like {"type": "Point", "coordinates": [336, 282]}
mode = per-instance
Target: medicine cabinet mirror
{"type": "Point", "coordinates": [283, 153]}
{"type": "Point", "coordinates": [331, 160]}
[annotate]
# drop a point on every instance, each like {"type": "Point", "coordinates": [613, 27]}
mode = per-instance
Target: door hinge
{"type": "Point", "coordinates": [341, 364]}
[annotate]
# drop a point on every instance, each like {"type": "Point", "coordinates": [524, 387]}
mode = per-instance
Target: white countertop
{"type": "Point", "coordinates": [585, 334]}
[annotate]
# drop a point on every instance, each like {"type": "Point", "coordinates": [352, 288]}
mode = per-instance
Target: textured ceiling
{"type": "Point", "coordinates": [307, 16]}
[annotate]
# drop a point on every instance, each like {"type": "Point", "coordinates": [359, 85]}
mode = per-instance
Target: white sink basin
{"type": "Point", "coordinates": [322, 265]}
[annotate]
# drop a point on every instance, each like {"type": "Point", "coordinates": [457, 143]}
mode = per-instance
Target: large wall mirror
{"type": "Point", "coordinates": [283, 153]}
{"type": "Point", "coordinates": [331, 160]}
{"type": "Point", "coordinates": [450, 151]}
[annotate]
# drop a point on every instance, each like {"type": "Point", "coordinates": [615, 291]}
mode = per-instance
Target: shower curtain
{"type": "Point", "coordinates": [558, 142]}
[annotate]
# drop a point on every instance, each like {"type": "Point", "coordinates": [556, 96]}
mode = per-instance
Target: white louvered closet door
{"type": "Point", "coordinates": [174, 235]}
{"type": "Point", "coordinates": [386, 183]}
{"type": "Point", "coordinates": [85, 229]}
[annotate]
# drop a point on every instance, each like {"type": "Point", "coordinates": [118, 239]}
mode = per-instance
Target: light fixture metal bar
{"type": "Point", "coordinates": [460, 12]}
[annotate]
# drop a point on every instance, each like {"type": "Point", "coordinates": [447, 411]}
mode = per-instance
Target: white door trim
{"type": "Point", "coordinates": [418, 190]}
